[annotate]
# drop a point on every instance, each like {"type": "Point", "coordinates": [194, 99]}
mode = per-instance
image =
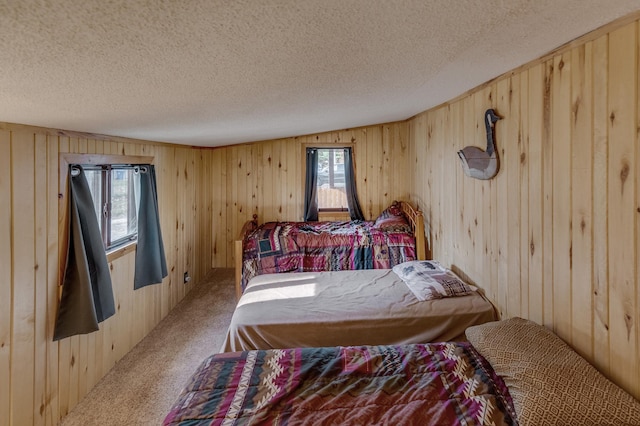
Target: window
{"type": "Point", "coordinates": [331, 189]}
{"type": "Point", "coordinates": [329, 186]}
{"type": "Point", "coordinates": [113, 189]}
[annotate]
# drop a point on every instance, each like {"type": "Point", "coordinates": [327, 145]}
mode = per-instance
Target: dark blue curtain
{"type": "Point", "coordinates": [311, 187]}
{"type": "Point", "coordinates": [151, 264]}
{"type": "Point", "coordinates": [350, 182]}
{"type": "Point", "coordinates": [87, 294]}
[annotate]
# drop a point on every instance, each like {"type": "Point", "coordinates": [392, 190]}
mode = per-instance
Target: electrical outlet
{"type": "Point", "coordinates": [187, 278]}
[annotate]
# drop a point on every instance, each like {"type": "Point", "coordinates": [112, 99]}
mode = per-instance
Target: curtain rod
{"type": "Point", "coordinates": [137, 168]}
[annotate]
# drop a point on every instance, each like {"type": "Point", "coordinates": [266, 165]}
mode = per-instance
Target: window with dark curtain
{"type": "Point", "coordinates": [310, 191]}
{"type": "Point", "coordinates": [87, 294]}
{"type": "Point", "coordinates": [330, 183]}
{"type": "Point", "coordinates": [151, 264]}
{"type": "Point", "coordinates": [352, 196]}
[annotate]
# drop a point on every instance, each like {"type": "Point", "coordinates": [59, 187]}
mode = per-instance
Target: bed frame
{"type": "Point", "coordinates": [248, 226]}
{"type": "Point", "coordinates": [414, 216]}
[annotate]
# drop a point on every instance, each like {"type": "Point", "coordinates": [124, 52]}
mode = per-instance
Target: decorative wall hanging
{"type": "Point", "coordinates": [477, 163]}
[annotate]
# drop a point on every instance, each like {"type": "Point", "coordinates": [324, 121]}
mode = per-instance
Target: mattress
{"type": "Point", "coordinates": [343, 308]}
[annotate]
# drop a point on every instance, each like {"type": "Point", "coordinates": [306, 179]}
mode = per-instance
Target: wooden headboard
{"type": "Point", "coordinates": [415, 217]}
{"type": "Point", "coordinates": [248, 226]}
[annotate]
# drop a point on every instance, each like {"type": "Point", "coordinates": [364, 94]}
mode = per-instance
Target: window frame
{"type": "Point", "coordinates": [65, 160]}
{"type": "Point", "coordinates": [106, 204]}
{"type": "Point", "coordinates": [328, 213]}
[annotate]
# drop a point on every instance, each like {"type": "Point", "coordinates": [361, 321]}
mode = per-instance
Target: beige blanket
{"type": "Point", "coordinates": [364, 307]}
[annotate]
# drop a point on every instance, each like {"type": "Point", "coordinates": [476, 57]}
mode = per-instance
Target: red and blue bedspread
{"type": "Point", "coordinates": [421, 384]}
{"type": "Point", "coordinates": [323, 246]}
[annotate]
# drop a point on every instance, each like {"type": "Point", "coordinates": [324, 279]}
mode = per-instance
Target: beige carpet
{"type": "Point", "coordinates": [141, 388]}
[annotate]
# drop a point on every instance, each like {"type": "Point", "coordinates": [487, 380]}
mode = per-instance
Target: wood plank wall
{"type": "Point", "coordinates": [554, 236]}
{"type": "Point", "coordinates": [205, 195]}
{"type": "Point", "coordinates": [266, 178]}
{"type": "Point", "coordinates": [42, 380]}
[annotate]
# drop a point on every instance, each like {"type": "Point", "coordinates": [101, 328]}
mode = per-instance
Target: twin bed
{"type": "Point", "coordinates": [366, 307]}
{"type": "Point", "coordinates": [396, 236]}
{"type": "Point", "coordinates": [510, 372]}
{"type": "Point", "coordinates": [348, 294]}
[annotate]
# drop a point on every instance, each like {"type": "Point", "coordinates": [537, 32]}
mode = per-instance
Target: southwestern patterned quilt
{"type": "Point", "coordinates": [323, 246]}
{"type": "Point", "coordinates": [421, 384]}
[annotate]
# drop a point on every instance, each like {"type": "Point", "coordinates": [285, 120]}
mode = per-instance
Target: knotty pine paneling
{"type": "Point", "coordinates": [554, 236]}
{"type": "Point", "coordinates": [266, 178]}
{"type": "Point", "coordinates": [6, 269]}
{"type": "Point", "coordinates": [42, 380]}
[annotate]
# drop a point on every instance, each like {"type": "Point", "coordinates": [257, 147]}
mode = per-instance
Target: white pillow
{"type": "Point", "coordinates": [428, 280]}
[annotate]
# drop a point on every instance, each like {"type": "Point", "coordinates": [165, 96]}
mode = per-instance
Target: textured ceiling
{"type": "Point", "coordinates": [205, 72]}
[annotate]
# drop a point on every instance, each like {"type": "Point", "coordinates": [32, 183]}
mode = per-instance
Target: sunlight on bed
{"type": "Point", "coordinates": [284, 287]}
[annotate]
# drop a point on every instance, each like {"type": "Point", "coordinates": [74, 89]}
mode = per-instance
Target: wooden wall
{"type": "Point", "coordinates": [266, 178]}
{"type": "Point", "coordinates": [204, 195]}
{"type": "Point", "coordinates": [42, 380]}
{"type": "Point", "coordinates": [554, 236]}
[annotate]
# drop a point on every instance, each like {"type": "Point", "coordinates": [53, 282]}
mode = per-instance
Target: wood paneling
{"type": "Point", "coordinates": [623, 101]}
{"type": "Point", "coordinates": [23, 322]}
{"type": "Point", "coordinates": [267, 178]}
{"type": "Point", "coordinates": [6, 269]}
{"type": "Point", "coordinates": [553, 237]}
{"type": "Point", "coordinates": [42, 380]}
{"type": "Point", "coordinates": [560, 222]}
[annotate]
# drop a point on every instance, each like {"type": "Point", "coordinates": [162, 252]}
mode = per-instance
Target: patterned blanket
{"type": "Point", "coordinates": [323, 246]}
{"type": "Point", "coordinates": [422, 384]}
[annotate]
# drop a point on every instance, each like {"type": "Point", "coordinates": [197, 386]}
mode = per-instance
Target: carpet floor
{"type": "Point", "coordinates": [143, 385]}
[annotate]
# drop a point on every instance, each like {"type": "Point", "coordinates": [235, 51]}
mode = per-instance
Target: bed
{"type": "Point", "coordinates": [360, 307]}
{"type": "Point", "coordinates": [509, 372]}
{"type": "Point", "coordinates": [397, 235]}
